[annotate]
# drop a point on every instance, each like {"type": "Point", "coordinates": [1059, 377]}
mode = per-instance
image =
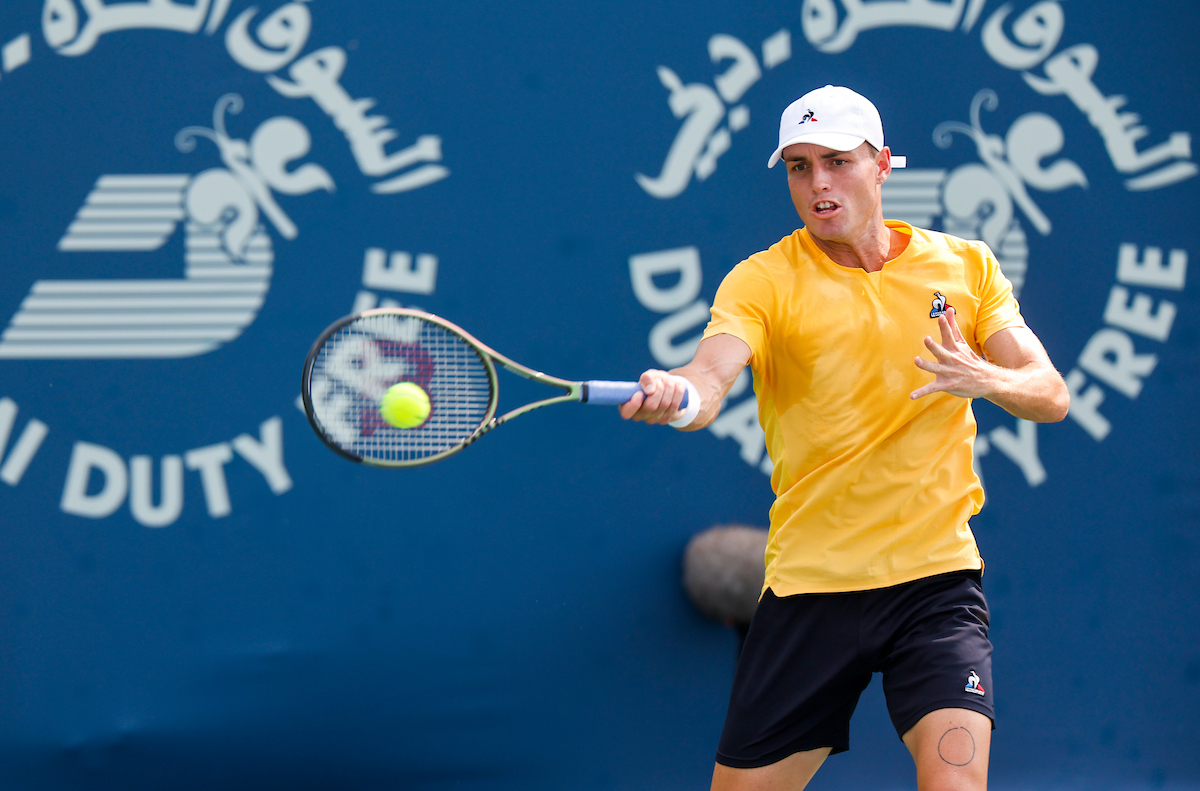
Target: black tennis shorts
{"type": "Point", "coordinates": [807, 658]}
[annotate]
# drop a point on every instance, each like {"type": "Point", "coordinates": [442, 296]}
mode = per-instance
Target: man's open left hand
{"type": "Point", "coordinates": [958, 369]}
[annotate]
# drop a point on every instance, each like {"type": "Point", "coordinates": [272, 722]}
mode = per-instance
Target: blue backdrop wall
{"type": "Point", "coordinates": [195, 592]}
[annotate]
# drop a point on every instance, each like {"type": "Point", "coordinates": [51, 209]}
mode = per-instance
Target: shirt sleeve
{"type": "Point", "coordinates": [998, 308]}
{"type": "Point", "coordinates": [743, 305]}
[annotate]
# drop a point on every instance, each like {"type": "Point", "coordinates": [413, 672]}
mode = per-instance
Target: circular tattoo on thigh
{"type": "Point", "coordinates": [957, 747]}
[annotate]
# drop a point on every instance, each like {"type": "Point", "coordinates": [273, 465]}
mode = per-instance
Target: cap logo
{"type": "Point", "coordinates": [809, 116]}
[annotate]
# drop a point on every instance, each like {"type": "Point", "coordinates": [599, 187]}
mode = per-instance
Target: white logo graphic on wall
{"type": "Point", "coordinates": [228, 253]}
{"type": "Point", "coordinates": [231, 227]}
{"type": "Point", "coordinates": [993, 197]}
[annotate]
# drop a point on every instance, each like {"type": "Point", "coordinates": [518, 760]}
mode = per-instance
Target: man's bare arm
{"type": "Point", "coordinates": [712, 371]}
{"type": "Point", "coordinates": [1020, 378]}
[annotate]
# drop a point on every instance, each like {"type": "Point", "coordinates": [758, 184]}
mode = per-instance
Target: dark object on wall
{"type": "Point", "coordinates": [723, 572]}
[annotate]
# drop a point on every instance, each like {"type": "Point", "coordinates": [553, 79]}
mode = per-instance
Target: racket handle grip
{"type": "Point", "coordinates": [601, 392]}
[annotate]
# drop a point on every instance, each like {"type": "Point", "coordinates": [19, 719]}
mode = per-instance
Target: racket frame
{"type": "Point", "coordinates": [575, 391]}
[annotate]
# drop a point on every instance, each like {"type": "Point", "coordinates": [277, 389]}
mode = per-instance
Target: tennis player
{"type": "Point", "coordinates": [867, 338]}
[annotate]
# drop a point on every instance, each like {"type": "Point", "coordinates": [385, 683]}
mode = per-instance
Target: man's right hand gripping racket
{"type": "Point", "coordinates": [358, 358]}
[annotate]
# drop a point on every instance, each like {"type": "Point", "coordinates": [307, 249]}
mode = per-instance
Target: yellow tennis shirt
{"type": "Point", "coordinates": [872, 488]}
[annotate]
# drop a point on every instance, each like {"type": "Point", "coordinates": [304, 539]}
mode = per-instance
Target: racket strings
{"type": "Point", "coordinates": [360, 361]}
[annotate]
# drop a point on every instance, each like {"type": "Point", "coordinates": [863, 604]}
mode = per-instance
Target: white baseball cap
{"type": "Point", "coordinates": [833, 117]}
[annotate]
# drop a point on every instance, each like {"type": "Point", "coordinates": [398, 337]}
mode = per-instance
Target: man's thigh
{"type": "Point", "coordinates": [951, 748]}
{"type": "Point", "coordinates": [790, 774]}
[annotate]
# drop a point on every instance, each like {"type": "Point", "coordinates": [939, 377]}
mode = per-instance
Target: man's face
{"type": "Point", "coordinates": [836, 193]}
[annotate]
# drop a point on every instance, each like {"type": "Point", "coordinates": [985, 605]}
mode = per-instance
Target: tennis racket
{"type": "Point", "coordinates": [357, 358]}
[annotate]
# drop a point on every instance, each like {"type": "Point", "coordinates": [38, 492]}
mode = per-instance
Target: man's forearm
{"type": "Point", "coordinates": [714, 369]}
{"type": "Point", "coordinates": [1035, 392]}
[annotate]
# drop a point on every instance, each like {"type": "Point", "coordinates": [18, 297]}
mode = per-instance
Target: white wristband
{"type": "Point", "coordinates": [693, 404]}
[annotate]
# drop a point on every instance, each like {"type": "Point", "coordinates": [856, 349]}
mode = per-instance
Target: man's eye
{"type": "Point", "coordinates": [839, 161]}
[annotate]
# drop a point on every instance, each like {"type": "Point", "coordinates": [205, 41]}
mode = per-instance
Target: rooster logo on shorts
{"type": "Point", "coordinates": [973, 684]}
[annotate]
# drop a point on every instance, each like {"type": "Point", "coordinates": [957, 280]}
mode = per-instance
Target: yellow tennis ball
{"type": "Point", "coordinates": [405, 405]}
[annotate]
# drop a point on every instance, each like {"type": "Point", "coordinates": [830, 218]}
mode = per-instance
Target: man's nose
{"type": "Point", "coordinates": [820, 181]}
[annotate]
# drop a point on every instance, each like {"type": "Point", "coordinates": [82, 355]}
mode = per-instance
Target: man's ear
{"type": "Point", "coordinates": [883, 165]}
